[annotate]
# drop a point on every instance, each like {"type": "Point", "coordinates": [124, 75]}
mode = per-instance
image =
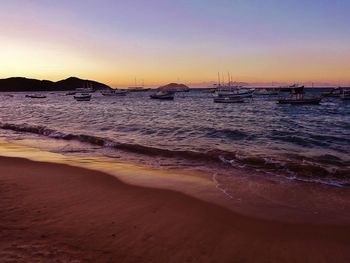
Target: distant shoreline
{"type": "Point", "coordinates": [18, 84]}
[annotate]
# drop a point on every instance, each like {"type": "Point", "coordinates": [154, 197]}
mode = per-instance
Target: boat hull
{"type": "Point", "coordinates": [229, 100]}
{"type": "Point", "coordinates": [247, 94]}
{"type": "Point", "coordinates": [35, 97]}
{"type": "Point", "coordinates": [312, 101]}
{"type": "Point", "coordinates": [155, 97]}
{"type": "Point", "coordinates": [82, 99]}
{"type": "Point", "coordinates": [114, 94]}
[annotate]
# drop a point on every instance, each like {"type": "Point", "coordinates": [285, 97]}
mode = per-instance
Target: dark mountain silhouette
{"type": "Point", "coordinates": [175, 87]}
{"type": "Point", "coordinates": [24, 84]}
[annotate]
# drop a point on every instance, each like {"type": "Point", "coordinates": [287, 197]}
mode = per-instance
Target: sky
{"type": "Point", "coordinates": [188, 41]}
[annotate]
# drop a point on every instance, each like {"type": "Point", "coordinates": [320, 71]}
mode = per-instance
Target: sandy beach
{"type": "Point", "coordinates": [58, 213]}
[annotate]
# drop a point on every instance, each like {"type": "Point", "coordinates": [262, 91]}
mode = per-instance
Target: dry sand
{"type": "Point", "coordinates": [58, 213]}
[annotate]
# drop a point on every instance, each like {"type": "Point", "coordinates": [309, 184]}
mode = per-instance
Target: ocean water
{"type": "Point", "coordinates": [309, 143]}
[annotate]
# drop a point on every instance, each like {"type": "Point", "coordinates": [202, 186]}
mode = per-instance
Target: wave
{"type": "Point", "coordinates": [323, 169]}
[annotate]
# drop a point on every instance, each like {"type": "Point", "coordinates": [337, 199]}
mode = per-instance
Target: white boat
{"type": "Point", "coordinates": [163, 95]}
{"type": "Point", "coordinates": [266, 91]}
{"type": "Point", "coordinates": [234, 91]}
{"type": "Point", "coordinates": [229, 99]}
{"type": "Point", "coordinates": [82, 97]}
{"type": "Point", "coordinates": [230, 92]}
{"type": "Point", "coordinates": [114, 93]}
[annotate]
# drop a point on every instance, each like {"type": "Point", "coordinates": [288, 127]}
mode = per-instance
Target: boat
{"type": "Point", "coordinates": [345, 95]}
{"type": "Point", "coordinates": [71, 93]}
{"type": "Point", "coordinates": [163, 95]}
{"type": "Point", "coordinates": [136, 88]}
{"type": "Point", "coordinates": [231, 92]}
{"type": "Point", "coordinates": [82, 97]}
{"type": "Point", "coordinates": [300, 101]}
{"type": "Point", "coordinates": [114, 93]}
{"type": "Point", "coordinates": [234, 91]}
{"type": "Point", "coordinates": [36, 96]}
{"type": "Point", "coordinates": [298, 98]}
{"type": "Point", "coordinates": [334, 93]}
{"type": "Point", "coordinates": [266, 91]}
{"type": "Point", "coordinates": [288, 88]}
{"type": "Point", "coordinates": [88, 88]}
{"type": "Point", "coordinates": [229, 99]}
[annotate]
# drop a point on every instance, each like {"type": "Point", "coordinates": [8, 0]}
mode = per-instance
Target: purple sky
{"type": "Point", "coordinates": [160, 41]}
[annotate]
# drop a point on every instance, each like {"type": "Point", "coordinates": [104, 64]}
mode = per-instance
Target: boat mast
{"type": "Point", "coordinates": [219, 83]}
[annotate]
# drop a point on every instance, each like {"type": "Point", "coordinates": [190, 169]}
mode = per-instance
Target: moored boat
{"type": "Point", "coordinates": [297, 98]}
{"type": "Point", "coordinates": [304, 101]}
{"type": "Point", "coordinates": [345, 95]}
{"type": "Point", "coordinates": [36, 96]}
{"type": "Point", "coordinates": [229, 99]}
{"type": "Point", "coordinates": [266, 91]}
{"type": "Point", "coordinates": [288, 88]}
{"type": "Point", "coordinates": [334, 93]}
{"type": "Point", "coordinates": [114, 93]}
{"type": "Point", "coordinates": [234, 91]}
{"type": "Point", "coordinates": [82, 97]}
{"type": "Point", "coordinates": [163, 95]}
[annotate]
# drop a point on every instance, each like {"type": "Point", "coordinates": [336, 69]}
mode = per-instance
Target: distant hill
{"type": "Point", "coordinates": [24, 84]}
{"type": "Point", "coordinates": [175, 87]}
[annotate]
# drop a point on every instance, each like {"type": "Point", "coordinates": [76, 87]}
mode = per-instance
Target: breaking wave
{"type": "Point", "coordinates": [327, 169]}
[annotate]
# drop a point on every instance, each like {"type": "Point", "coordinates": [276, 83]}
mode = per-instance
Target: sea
{"type": "Point", "coordinates": [306, 143]}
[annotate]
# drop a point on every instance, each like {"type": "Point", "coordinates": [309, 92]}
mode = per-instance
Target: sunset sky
{"type": "Point", "coordinates": [162, 41]}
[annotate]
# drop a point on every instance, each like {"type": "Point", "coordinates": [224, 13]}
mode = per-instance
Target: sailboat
{"type": "Point", "coordinates": [136, 88]}
{"type": "Point", "coordinates": [230, 93]}
{"type": "Point", "coordinates": [114, 93]}
{"type": "Point", "coordinates": [88, 88]}
{"type": "Point", "coordinates": [83, 94]}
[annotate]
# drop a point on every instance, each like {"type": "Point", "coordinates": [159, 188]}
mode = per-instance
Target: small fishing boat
{"type": "Point", "coordinates": [345, 95]}
{"type": "Point", "coordinates": [298, 98]}
{"type": "Point", "coordinates": [229, 99]}
{"type": "Point", "coordinates": [82, 97]}
{"type": "Point", "coordinates": [163, 95]}
{"type": "Point", "coordinates": [33, 96]}
{"type": "Point", "coordinates": [114, 93]}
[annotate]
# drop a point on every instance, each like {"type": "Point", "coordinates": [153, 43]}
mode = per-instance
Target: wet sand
{"type": "Point", "coordinates": [58, 213]}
